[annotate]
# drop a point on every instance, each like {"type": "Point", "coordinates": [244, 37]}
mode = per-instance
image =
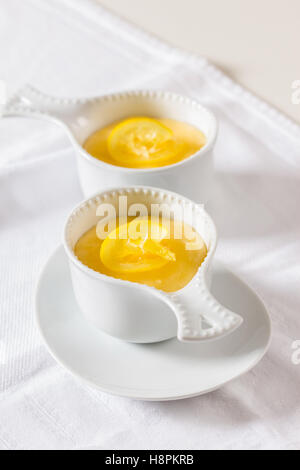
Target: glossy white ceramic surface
{"type": "Point", "coordinates": [168, 370]}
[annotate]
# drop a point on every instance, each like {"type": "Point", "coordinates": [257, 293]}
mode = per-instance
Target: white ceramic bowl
{"type": "Point", "coordinates": [192, 177]}
{"type": "Point", "coordinates": [135, 312]}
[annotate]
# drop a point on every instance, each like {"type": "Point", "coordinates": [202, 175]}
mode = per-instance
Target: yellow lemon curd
{"type": "Point", "coordinates": [142, 142]}
{"type": "Point", "coordinates": [145, 251]}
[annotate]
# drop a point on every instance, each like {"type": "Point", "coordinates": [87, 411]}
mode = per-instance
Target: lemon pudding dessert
{"type": "Point", "coordinates": [144, 142]}
{"type": "Point", "coordinates": [162, 255]}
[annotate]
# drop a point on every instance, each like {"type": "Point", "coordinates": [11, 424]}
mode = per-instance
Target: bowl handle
{"type": "Point", "coordinates": [30, 102]}
{"type": "Point", "coordinates": [200, 316]}
{"type": "Point", "coordinates": [26, 102]}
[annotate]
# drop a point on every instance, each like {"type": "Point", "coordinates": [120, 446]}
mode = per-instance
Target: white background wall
{"type": "Point", "coordinates": [256, 42]}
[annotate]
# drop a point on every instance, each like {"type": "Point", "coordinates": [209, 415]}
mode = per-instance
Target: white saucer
{"type": "Point", "coordinates": [162, 371]}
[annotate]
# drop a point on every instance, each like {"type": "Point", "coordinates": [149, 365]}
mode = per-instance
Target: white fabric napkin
{"type": "Point", "coordinates": [76, 48]}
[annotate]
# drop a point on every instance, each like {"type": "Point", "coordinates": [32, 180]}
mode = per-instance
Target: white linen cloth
{"type": "Point", "coordinates": [76, 48]}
